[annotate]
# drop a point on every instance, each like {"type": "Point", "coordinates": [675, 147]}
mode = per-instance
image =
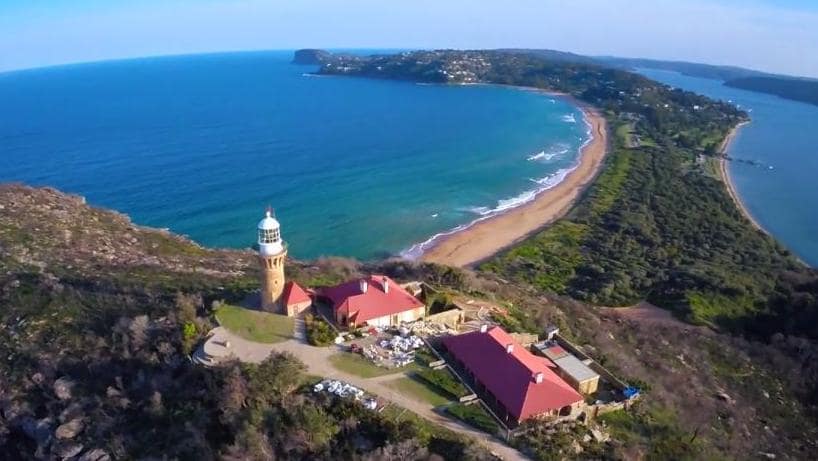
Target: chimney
{"type": "Point", "coordinates": [538, 377]}
{"type": "Point", "coordinates": [385, 285]}
{"type": "Point", "coordinates": [484, 328]}
{"type": "Point", "coordinates": [509, 348]}
{"type": "Point", "coordinates": [363, 285]}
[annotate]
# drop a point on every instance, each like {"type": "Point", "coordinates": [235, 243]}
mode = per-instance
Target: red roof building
{"type": "Point", "coordinates": [294, 299]}
{"type": "Point", "coordinates": [519, 385]}
{"type": "Point", "coordinates": [375, 301]}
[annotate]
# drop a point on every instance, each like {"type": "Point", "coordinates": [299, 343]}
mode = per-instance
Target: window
{"type": "Point", "coordinates": [269, 235]}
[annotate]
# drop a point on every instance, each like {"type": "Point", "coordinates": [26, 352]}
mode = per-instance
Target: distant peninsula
{"type": "Point", "coordinates": [796, 89]}
{"type": "Point", "coordinates": [784, 86]}
{"type": "Point", "coordinates": [310, 56]}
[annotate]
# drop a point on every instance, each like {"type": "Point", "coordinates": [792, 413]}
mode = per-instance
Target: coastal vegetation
{"type": "Point", "coordinates": [83, 344]}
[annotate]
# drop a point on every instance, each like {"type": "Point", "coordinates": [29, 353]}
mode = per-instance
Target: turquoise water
{"type": "Point", "coordinates": [781, 191]}
{"type": "Point", "coordinates": [354, 167]}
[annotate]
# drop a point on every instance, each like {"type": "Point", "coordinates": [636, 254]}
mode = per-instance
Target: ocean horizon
{"type": "Point", "coordinates": [201, 144]}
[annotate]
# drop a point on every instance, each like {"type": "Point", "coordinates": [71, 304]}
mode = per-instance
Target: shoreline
{"type": "Point", "coordinates": [484, 238]}
{"type": "Point", "coordinates": [725, 176]}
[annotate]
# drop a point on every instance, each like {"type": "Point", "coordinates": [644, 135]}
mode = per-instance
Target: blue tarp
{"type": "Point", "coordinates": [629, 392]}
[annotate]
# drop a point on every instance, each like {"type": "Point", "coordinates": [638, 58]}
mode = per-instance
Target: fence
{"type": "Point", "coordinates": [593, 365]}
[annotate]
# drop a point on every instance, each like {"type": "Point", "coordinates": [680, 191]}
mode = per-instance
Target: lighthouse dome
{"type": "Point", "coordinates": [269, 236]}
{"type": "Point", "coordinates": [269, 222]}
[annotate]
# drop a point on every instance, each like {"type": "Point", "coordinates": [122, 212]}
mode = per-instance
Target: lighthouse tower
{"type": "Point", "coordinates": [271, 254]}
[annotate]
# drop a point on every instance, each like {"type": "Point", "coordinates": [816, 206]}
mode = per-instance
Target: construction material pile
{"type": "Point", "coordinates": [345, 390]}
{"type": "Point", "coordinates": [432, 329]}
{"type": "Point", "coordinates": [402, 344]}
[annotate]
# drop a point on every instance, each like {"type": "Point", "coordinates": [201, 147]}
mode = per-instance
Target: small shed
{"type": "Point", "coordinates": [578, 374]}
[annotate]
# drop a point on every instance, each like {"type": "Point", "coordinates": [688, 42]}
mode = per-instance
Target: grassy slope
{"type": "Point", "coordinates": [256, 326]}
{"type": "Point", "coordinates": [420, 389]}
{"type": "Point", "coordinates": [357, 365]}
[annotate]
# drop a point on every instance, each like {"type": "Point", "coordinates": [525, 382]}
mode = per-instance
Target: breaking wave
{"type": "Point", "coordinates": [542, 184]}
{"type": "Point", "coordinates": [554, 151]}
{"type": "Point", "coordinates": [484, 213]}
{"type": "Point", "coordinates": [569, 118]}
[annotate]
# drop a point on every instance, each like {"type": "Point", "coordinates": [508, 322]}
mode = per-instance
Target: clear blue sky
{"type": "Point", "coordinates": [772, 35]}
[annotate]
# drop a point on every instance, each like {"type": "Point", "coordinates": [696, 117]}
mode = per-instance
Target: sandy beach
{"type": "Point", "coordinates": [725, 176]}
{"type": "Point", "coordinates": [486, 238]}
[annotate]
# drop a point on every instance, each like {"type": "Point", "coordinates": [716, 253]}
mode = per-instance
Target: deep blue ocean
{"type": "Point", "coordinates": [781, 190]}
{"type": "Point", "coordinates": [353, 167]}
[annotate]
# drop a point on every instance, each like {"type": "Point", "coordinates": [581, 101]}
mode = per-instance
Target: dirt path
{"type": "Point", "coordinates": [317, 362]}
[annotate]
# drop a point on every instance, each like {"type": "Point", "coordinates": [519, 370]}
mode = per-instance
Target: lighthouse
{"type": "Point", "coordinates": [271, 254]}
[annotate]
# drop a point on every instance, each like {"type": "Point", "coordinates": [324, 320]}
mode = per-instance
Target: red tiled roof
{"type": "Point", "coordinates": [294, 294]}
{"type": "Point", "coordinates": [511, 376]}
{"type": "Point", "coordinates": [348, 299]}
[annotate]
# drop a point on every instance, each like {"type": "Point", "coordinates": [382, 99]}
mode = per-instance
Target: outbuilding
{"type": "Point", "coordinates": [376, 300]}
{"type": "Point", "coordinates": [294, 299]}
{"type": "Point", "coordinates": [570, 368]}
{"type": "Point", "coordinates": [517, 384]}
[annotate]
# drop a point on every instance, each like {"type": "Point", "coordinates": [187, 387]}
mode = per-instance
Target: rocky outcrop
{"type": "Point", "coordinates": [70, 429]}
{"type": "Point", "coordinates": [62, 388]}
{"type": "Point", "coordinates": [46, 230]}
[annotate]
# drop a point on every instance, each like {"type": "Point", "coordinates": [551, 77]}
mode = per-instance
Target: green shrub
{"type": "Point", "coordinates": [319, 332]}
{"type": "Point", "coordinates": [190, 335]}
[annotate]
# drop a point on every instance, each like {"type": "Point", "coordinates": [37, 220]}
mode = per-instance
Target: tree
{"type": "Point", "coordinates": [234, 393]}
{"type": "Point", "coordinates": [409, 450]}
{"type": "Point", "coordinates": [278, 375]}
{"type": "Point", "coordinates": [318, 427]}
{"type": "Point", "coordinates": [250, 444]}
